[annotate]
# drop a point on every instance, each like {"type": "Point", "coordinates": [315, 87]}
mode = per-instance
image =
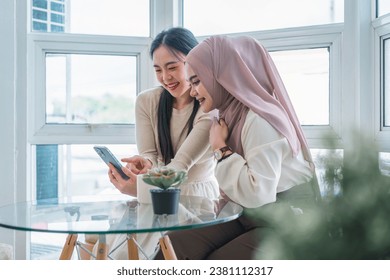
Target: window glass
{"type": "Point", "coordinates": [329, 163]}
{"type": "Point", "coordinates": [305, 74]}
{"type": "Point", "coordinates": [40, 15]}
{"type": "Point", "coordinates": [383, 7]}
{"type": "Point", "coordinates": [48, 15]}
{"type": "Point", "coordinates": [207, 17]}
{"type": "Point", "coordinates": [90, 88]}
{"type": "Point", "coordinates": [46, 246]}
{"type": "Point", "coordinates": [384, 163]}
{"type": "Point", "coordinates": [70, 170]}
{"type": "Point", "coordinates": [386, 83]}
{"type": "Point", "coordinates": [104, 17]}
{"type": "Point", "coordinates": [75, 170]}
{"type": "Point", "coordinates": [40, 4]}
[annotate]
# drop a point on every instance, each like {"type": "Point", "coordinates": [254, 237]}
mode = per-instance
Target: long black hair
{"type": "Point", "coordinates": [180, 40]}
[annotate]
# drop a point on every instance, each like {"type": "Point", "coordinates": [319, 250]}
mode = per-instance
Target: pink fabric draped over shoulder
{"type": "Point", "coordinates": [239, 74]}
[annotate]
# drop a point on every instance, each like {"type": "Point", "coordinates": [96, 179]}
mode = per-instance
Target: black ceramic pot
{"type": "Point", "coordinates": [165, 201]}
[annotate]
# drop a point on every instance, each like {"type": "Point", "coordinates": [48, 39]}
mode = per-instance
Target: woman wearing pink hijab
{"type": "Point", "coordinates": [261, 151]}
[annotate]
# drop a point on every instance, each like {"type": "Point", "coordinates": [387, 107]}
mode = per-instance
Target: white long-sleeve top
{"type": "Point", "coordinates": [268, 167]}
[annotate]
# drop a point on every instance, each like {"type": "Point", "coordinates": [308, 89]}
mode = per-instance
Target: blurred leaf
{"type": "Point", "coordinates": [353, 224]}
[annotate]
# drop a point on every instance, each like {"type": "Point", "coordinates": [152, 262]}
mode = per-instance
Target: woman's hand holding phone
{"type": "Point", "coordinates": [125, 186]}
{"type": "Point", "coordinates": [124, 178]}
{"type": "Point", "coordinates": [135, 165]}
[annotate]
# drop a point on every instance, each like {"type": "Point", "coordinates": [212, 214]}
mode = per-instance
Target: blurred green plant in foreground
{"type": "Point", "coordinates": [352, 224]}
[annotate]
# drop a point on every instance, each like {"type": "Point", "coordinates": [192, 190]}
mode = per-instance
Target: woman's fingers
{"type": "Point", "coordinates": [138, 164]}
{"type": "Point", "coordinates": [222, 123]}
{"type": "Point", "coordinates": [126, 186]}
{"type": "Point", "coordinates": [218, 133]}
{"type": "Point", "coordinates": [129, 173]}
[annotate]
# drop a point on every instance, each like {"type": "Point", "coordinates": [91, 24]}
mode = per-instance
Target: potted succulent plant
{"type": "Point", "coordinates": [165, 199]}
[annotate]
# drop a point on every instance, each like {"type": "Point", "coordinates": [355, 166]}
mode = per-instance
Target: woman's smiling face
{"type": "Point", "coordinates": [169, 69]}
{"type": "Point", "coordinates": [198, 91]}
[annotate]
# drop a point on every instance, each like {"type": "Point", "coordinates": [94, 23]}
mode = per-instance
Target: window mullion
{"type": "Point", "coordinates": [165, 14]}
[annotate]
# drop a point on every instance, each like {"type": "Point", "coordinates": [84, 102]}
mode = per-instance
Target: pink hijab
{"type": "Point", "coordinates": [239, 74]}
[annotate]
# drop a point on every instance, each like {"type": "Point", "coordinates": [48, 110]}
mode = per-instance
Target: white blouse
{"type": "Point", "coordinates": [268, 167]}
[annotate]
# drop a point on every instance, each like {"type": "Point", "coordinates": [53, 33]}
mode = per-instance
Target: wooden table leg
{"type": "Point", "coordinates": [132, 248]}
{"type": "Point", "coordinates": [84, 255]}
{"type": "Point", "coordinates": [67, 250]}
{"type": "Point", "coordinates": [167, 248]}
{"type": "Point", "coordinates": [102, 249]}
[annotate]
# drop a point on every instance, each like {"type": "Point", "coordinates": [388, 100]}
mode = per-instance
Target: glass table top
{"type": "Point", "coordinates": [83, 215]}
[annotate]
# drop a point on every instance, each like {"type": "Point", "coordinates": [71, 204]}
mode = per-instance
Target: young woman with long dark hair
{"type": "Point", "coordinates": [171, 130]}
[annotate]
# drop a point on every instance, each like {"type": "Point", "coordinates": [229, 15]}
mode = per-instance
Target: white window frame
{"type": "Point", "coordinates": [41, 44]}
{"type": "Point", "coordinates": [382, 32]}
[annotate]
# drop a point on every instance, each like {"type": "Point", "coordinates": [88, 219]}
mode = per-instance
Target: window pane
{"type": "Point", "coordinates": [384, 163]}
{"type": "Point", "coordinates": [383, 7]}
{"type": "Point", "coordinates": [90, 88]}
{"type": "Point", "coordinates": [46, 12]}
{"type": "Point", "coordinates": [56, 28]}
{"type": "Point", "coordinates": [104, 17]}
{"type": "Point", "coordinates": [58, 18]}
{"type": "Point", "coordinates": [70, 170]}
{"type": "Point", "coordinates": [386, 84]}
{"type": "Point", "coordinates": [305, 74]}
{"type": "Point", "coordinates": [39, 26]}
{"type": "Point", "coordinates": [39, 15]}
{"type": "Point", "coordinates": [78, 170]}
{"type": "Point", "coordinates": [40, 4]}
{"type": "Point", "coordinates": [230, 16]}
{"type": "Point", "coordinates": [328, 164]}
{"type": "Point", "coordinates": [58, 7]}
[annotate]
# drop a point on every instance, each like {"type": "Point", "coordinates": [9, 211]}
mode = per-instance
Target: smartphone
{"type": "Point", "coordinates": [108, 157]}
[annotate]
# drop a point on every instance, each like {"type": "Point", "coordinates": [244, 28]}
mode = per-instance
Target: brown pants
{"type": "Point", "coordinates": [244, 238]}
{"type": "Point", "coordinates": [227, 241]}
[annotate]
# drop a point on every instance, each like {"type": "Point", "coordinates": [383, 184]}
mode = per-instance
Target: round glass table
{"type": "Point", "coordinates": [114, 215]}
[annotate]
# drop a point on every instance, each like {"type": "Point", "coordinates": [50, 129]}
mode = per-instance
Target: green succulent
{"type": "Point", "coordinates": [164, 177]}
